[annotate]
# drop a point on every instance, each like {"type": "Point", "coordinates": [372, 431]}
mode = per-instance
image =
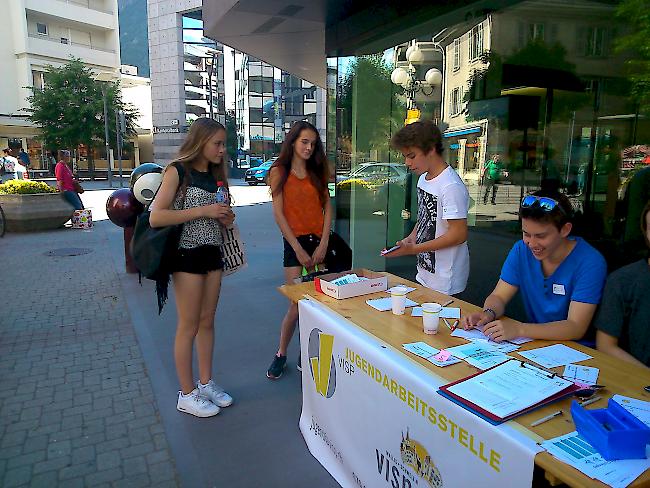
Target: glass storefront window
{"type": "Point", "coordinates": [546, 93]}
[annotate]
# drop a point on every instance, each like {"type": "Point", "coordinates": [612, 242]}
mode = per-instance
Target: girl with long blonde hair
{"type": "Point", "coordinates": [187, 196]}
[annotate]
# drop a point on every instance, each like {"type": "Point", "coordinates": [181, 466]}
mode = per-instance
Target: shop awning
{"type": "Point", "coordinates": [462, 132]}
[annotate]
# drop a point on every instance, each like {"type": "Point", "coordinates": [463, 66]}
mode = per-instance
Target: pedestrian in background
{"type": "Point", "coordinates": [492, 177]}
{"type": "Point", "coordinates": [65, 181]}
{"type": "Point", "coordinates": [11, 167]}
{"type": "Point", "coordinates": [24, 158]}
{"type": "Point", "coordinates": [301, 207]}
{"type": "Point", "coordinates": [187, 197]}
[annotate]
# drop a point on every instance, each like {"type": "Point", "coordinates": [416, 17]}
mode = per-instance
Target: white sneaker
{"type": "Point", "coordinates": [214, 393]}
{"type": "Point", "coordinates": [194, 404]}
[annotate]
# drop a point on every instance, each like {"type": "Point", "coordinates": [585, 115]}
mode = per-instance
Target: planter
{"type": "Point", "coordinates": [33, 212]}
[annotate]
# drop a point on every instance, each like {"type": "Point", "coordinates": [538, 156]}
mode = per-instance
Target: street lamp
{"type": "Point", "coordinates": [210, 65]}
{"type": "Point", "coordinates": [106, 77]}
{"type": "Point", "coordinates": [406, 77]}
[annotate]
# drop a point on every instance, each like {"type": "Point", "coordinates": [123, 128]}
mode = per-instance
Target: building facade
{"type": "Point", "coordinates": [187, 73]}
{"type": "Point", "coordinates": [268, 101]}
{"type": "Point", "coordinates": [41, 33]}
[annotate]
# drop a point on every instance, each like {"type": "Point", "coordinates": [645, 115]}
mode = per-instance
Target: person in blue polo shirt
{"type": "Point", "coordinates": [560, 277]}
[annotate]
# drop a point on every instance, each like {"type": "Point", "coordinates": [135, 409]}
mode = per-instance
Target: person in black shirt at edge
{"type": "Point", "coordinates": [623, 321]}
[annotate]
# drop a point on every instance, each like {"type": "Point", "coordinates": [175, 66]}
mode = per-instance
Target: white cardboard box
{"type": "Point", "coordinates": [376, 282]}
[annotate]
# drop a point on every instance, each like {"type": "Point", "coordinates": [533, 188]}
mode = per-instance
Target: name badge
{"type": "Point", "coordinates": [558, 289]}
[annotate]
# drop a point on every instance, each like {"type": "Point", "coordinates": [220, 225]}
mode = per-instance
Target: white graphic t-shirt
{"type": "Point", "coordinates": [440, 199]}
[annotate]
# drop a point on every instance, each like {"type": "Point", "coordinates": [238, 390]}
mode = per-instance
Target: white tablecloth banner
{"type": "Point", "coordinates": [373, 418]}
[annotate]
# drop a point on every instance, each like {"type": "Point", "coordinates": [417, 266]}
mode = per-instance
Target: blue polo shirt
{"type": "Point", "coordinates": [579, 278]}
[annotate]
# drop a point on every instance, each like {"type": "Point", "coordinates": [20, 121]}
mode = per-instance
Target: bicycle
{"type": "Point", "coordinates": [3, 226]}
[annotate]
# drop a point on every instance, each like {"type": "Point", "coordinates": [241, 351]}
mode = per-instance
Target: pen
{"type": "Point", "coordinates": [444, 319]}
{"type": "Point", "coordinates": [547, 418]}
{"type": "Point", "coordinates": [590, 401]}
{"type": "Point", "coordinates": [453, 327]}
{"type": "Point", "coordinates": [446, 304]}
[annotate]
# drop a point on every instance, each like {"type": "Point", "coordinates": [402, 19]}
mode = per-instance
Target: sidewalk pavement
{"type": "Point", "coordinates": [87, 380]}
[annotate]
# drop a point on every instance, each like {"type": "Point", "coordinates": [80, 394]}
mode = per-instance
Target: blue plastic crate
{"type": "Point", "coordinates": [613, 431]}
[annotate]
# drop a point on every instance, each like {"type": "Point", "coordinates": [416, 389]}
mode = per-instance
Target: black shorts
{"type": "Point", "coordinates": [197, 260]}
{"type": "Point", "coordinates": [309, 243]}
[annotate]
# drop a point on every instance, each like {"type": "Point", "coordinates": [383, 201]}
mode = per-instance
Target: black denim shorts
{"type": "Point", "coordinates": [309, 243]}
{"type": "Point", "coordinates": [197, 260]}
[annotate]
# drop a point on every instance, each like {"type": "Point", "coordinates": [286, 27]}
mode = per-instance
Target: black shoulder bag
{"type": "Point", "coordinates": [151, 248]}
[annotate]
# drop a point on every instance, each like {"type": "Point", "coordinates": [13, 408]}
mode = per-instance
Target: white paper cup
{"type": "Point", "coordinates": [398, 299]}
{"type": "Point", "coordinates": [431, 317]}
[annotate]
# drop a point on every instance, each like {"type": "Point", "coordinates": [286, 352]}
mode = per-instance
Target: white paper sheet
{"type": "Point", "coordinates": [383, 304]}
{"type": "Point", "coordinates": [583, 374]}
{"type": "Point", "coordinates": [577, 452]}
{"type": "Point", "coordinates": [555, 355]}
{"type": "Point", "coordinates": [509, 388]}
{"type": "Point", "coordinates": [446, 312]}
{"type": "Point", "coordinates": [479, 354]}
{"type": "Point", "coordinates": [408, 288]}
{"type": "Point", "coordinates": [428, 352]}
{"type": "Point", "coordinates": [477, 334]}
{"type": "Point", "coordinates": [639, 408]}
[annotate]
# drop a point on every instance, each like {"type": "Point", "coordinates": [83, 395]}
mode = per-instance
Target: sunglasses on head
{"type": "Point", "coordinates": [545, 203]}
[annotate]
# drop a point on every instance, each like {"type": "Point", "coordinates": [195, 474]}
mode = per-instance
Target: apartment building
{"type": "Point", "coordinates": [268, 102]}
{"type": "Point", "coordinates": [38, 33]}
{"type": "Point", "coordinates": [187, 78]}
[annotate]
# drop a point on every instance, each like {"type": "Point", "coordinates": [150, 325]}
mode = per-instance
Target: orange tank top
{"type": "Point", "coordinates": [302, 207]}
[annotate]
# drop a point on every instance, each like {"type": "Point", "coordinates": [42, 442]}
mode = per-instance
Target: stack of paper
{"type": "Point", "coordinates": [577, 452]}
{"type": "Point", "coordinates": [555, 355]}
{"type": "Point", "coordinates": [507, 390]}
{"type": "Point", "coordinates": [477, 334]}
{"type": "Point", "coordinates": [429, 353]}
{"type": "Point", "coordinates": [479, 354]}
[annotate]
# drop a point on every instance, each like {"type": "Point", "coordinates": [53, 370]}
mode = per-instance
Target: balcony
{"type": "Point", "coordinates": [49, 47]}
{"type": "Point", "coordinates": [75, 11]}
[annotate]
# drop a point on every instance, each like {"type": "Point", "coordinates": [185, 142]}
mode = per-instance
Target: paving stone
{"type": "Point", "coordinates": [71, 371]}
{"type": "Point", "coordinates": [17, 477]}
{"type": "Point", "coordinates": [103, 476]}
{"type": "Point", "coordinates": [107, 460]}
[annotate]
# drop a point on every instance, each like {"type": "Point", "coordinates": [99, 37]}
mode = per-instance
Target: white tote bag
{"type": "Point", "coordinates": [232, 250]}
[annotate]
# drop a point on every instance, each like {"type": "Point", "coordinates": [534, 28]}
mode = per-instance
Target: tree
{"type": "Point", "coordinates": [69, 110]}
{"type": "Point", "coordinates": [636, 15]}
{"type": "Point", "coordinates": [231, 131]}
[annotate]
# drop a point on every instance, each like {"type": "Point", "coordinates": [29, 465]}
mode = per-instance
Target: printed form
{"type": "Point", "coordinates": [509, 388]}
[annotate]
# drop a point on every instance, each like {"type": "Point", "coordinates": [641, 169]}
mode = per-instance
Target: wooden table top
{"type": "Point", "coordinates": [618, 377]}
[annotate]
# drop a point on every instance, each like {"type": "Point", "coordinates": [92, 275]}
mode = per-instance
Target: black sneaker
{"type": "Point", "coordinates": [299, 362]}
{"type": "Point", "coordinates": [277, 367]}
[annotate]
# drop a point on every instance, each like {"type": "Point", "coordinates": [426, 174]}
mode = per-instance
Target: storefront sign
{"type": "Point", "coordinates": [166, 130]}
{"type": "Point", "coordinates": [373, 418]}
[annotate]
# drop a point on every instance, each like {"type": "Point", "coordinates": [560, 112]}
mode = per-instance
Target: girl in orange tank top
{"type": "Point", "coordinates": [301, 207]}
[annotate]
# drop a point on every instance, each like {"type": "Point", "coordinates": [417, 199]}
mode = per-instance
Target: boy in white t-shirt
{"type": "Point", "coordinates": [439, 238]}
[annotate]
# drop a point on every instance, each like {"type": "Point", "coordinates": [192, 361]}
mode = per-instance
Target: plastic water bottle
{"type": "Point", "coordinates": [222, 193]}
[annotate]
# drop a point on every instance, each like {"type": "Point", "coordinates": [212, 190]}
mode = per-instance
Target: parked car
{"type": "Point", "coordinates": [376, 174]}
{"type": "Point", "coordinates": [257, 175]}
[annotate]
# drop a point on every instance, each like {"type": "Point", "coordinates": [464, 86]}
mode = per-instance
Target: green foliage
{"type": "Point", "coordinates": [70, 110]}
{"type": "Point", "coordinates": [231, 134]}
{"type": "Point", "coordinates": [636, 15]}
{"type": "Point", "coordinates": [368, 97]}
{"type": "Point", "coordinates": [25, 187]}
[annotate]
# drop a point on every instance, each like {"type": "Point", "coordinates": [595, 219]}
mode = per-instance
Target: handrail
{"type": "Point", "coordinates": [70, 43]}
{"type": "Point", "coordinates": [86, 4]}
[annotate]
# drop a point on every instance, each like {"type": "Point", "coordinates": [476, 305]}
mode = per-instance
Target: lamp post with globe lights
{"type": "Point", "coordinates": [406, 77]}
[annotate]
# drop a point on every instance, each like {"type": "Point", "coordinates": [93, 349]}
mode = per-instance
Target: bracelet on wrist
{"type": "Point", "coordinates": [489, 310]}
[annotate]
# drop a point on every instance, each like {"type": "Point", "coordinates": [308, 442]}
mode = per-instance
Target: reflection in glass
{"type": "Point", "coordinates": [532, 98]}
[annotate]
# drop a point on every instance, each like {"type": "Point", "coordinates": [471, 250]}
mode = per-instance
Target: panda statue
{"type": "Point", "coordinates": [144, 182]}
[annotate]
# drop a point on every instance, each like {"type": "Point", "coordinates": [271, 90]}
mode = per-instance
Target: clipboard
{"type": "Point", "coordinates": [491, 417]}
